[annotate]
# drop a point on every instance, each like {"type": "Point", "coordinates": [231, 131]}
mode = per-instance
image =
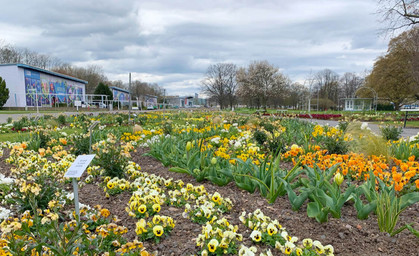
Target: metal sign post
{"type": "Point", "coordinates": [76, 197]}
{"type": "Point", "coordinates": [76, 171]}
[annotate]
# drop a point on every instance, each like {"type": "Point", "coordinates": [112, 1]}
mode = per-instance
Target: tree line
{"type": "Point", "coordinates": [394, 79]}
{"type": "Point", "coordinates": [262, 85]}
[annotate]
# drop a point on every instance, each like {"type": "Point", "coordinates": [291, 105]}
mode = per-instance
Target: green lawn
{"type": "Point", "coordinates": [24, 136]}
{"type": "Point", "coordinates": [50, 111]}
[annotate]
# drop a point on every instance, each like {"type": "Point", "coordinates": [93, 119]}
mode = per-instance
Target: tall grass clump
{"type": "Point", "coordinates": [365, 141]}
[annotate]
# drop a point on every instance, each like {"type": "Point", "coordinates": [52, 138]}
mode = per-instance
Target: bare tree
{"type": "Point", "coordinates": [399, 13]}
{"type": "Point", "coordinates": [327, 83]}
{"type": "Point", "coordinates": [139, 89]}
{"type": "Point", "coordinates": [349, 83]}
{"type": "Point", "coordinates": [297, 95]}
{"type": "Point", "coordinates": [11, 54]}
{"type": "Point", "coordinates": [261, 83]}
{"type": "Point", "coordinates": [93, 74]}
{"type": "Point", "coordinates": [220, 83]}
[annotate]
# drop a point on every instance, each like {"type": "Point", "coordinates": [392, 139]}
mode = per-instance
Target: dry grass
{"type": "Point", "coordinates": [366, 142]}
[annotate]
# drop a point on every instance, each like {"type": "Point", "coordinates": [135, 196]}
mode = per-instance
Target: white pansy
{"type": "Point", "coordinates": [4, 213]}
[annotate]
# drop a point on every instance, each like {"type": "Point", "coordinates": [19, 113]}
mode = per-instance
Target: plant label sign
{"type": "Point", "coordinates": [79, 166]}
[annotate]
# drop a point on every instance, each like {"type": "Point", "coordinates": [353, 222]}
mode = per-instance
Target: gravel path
{"type": "Point", "coordinates": [407, 132]}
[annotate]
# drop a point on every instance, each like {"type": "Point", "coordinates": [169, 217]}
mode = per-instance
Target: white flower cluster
{"type": "Point", "coordinates": [414, 138]}
{"type": "Point", "coordinates": [5, 180]}
{"type": "Point", "coordinates": [4, 213]}
{"type": "Point", "coordinates": [151, 141]}
{"type": "Point", "coordinates": [364, 126]}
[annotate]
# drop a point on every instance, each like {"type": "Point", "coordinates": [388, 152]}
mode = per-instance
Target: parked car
{"type": "Point", "coordinates": [150, 107]}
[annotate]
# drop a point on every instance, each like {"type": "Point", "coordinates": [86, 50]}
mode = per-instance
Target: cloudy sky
{"type": "Point", "coordinates": [172, 42]}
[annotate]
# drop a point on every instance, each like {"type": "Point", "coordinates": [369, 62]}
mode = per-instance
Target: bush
{"type": "Point", "coordinates": [268, 127]}
{"type": "Point", "coordinates": [391, 132]}
{"type": "Point", "coordinates": [38, 140]}
{"type": "Point", "coordinates": [168, 128]}
{"type": "Point", "coordinates": [61, 119]}
{"type": "Point", "coordinates": [385, 107]}
{"type": "Point", "coordinates": [120, 120]}
{"type": "Point", "coordinates": [111, 156]}
{"type": "Point", "coordinates": [343, 125]}
{"type": "Point", "coordinates": [20, 124]}
{"type": "Point", "coordinates": [81, 144]}
{"type": "Point", "coordinates": [260, 137]}
{"type": "Point", "coordinates": [336, 145]}
{"type": "Point", "coordinates": [4, 92]}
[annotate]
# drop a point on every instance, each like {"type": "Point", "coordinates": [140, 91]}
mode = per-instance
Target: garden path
{"type": "Point", "coordinates": [407, 132]}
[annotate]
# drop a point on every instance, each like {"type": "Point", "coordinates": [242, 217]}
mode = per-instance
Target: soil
{"type": "Point", "coordinates": [348, 235]}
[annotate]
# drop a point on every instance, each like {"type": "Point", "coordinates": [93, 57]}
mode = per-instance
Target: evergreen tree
{"type": "Point", "coordinates": [103, 89]}
{"type": "Point", "coordinates": [4, 92]}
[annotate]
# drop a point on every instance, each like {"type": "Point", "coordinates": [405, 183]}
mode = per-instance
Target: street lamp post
{"type": "Point", "coordinates": [129, 102]}
{"type": "Point", "coordinates": [164, 100]}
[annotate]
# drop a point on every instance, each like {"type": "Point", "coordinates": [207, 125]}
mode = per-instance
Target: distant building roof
{"type": "Point", "coordinates": [150, 96]}
{"type": "Point", "coordinates": [45, 71]}
{"type": "Point", "coordinates": [118, 89]}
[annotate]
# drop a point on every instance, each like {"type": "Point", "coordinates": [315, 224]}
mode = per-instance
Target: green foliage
{"type": "Point", "coordinates": [326, 197]}
{"type": "Point", "coordinates": [343, 125]}
{"type": "Point", "coordinates": [260, 137]}
{"type": "Point", "coordinates": [111, 156]}
{"type": "Point", "coordinates": [269, 177]}
{"type": "Point", "coordinates": [391, 132]}
{"type": "Point", "coordinates": [408, 227]}
{"type": "Point", "coordinates": [201, 166]}
{"type": "Point", "coordinates": [168, 127]}
{"type": "Point", "coordinates": [119, 120]}
{"type": "Point", "coordinates": [38, 140]}
{"type": "Point", "coordinates": [268, 126]}
{"type": "Point", "coordinates": [385, 107]}
{"type": "Point", "coordinates": [367, 191]}
{"type": "Point", "coordinates": [61, 119]}
{"type": "Point", "coordinates": [20, 124]}
{"type": "Point", "coordinates": [81, 144]}
{"type": "Point", "coordinates": [297, 200]}
{"type": "Point", "coordinates": [4, 92]}
{"type": "Point", "coordinates": [103, 89]}
{"type": "Point", "coordinates": [389, 207]}
{"type": "Point", "coordinates": [403, 149]}
{"type": "Point", "coordinates": [242, 180]}
{"type": "Point", "coordinates": [336, 145]}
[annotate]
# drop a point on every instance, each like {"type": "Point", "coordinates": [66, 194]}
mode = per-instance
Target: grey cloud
{"type": "Point", "coordinates": [177, 41]}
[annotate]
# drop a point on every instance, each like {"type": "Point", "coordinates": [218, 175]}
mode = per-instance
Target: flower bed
{"type": "Point", "coordinates": [281, 160]}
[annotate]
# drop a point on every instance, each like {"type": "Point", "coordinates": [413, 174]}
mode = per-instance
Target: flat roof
{"type": "Point", "coordinates": [45, 71]}
{"type": "Point", "coordinates": [118, 89]}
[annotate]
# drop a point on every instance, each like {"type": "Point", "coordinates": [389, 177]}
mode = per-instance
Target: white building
{"type": "Point", "coordinates": [30, 86]}
{"type": "Point", "coordinates": [359, 104]}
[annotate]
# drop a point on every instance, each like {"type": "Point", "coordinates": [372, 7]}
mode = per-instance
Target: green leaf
{"type": "Point", "coordinates": [409, 199]}
{"type": "Point", "coordinates": [179, 170]}
{"type": "Point", "coordinates": [314, 210]}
